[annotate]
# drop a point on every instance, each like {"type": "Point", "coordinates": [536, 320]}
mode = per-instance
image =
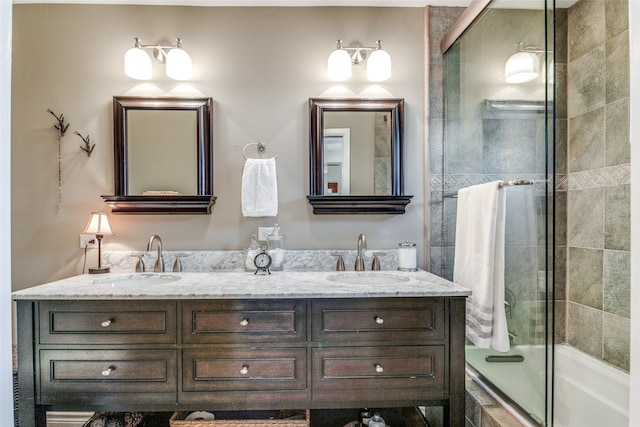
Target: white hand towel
{"type": "Point", "coordinates": [259, 188]}
{"type": "Point", "coordinates": [479, 263]}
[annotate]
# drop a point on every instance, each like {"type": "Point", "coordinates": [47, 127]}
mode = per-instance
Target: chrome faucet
{"type": "Point", "coordinates": [362, 245]}
{"type": "Point", "coordinates": [159, 265]}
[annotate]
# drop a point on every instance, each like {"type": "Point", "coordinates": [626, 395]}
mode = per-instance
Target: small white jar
{"type": "Point", "coordinates": [407, 257]}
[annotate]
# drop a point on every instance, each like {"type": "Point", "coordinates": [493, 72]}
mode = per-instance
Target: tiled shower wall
{"type": "Point", "coordinates": [598, 204]}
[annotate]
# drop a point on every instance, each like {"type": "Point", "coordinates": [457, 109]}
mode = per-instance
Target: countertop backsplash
{"type": "Point", "coordinates": [204, 261]}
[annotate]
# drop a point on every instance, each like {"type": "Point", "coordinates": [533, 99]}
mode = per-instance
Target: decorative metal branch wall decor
{"type": "Point", "coordinates": [88, 148]}
{"type": "Point", "coordinates": [62, 129]}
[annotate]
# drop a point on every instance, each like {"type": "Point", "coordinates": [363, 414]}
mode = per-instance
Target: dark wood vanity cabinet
{"type": "Point", "coordinates": [163, 355]}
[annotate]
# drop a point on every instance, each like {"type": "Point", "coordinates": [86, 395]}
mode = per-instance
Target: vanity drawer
{"type": "Point", "coordinates": [107, 322]}
{"type": "Point", "coordinates": [112, 371]}
{"type": "Point", "coordinates": [376, 368]}
{"type": "Point", "coordinates": [244, 369]}
{"type": "Point", "coordinates": [232, 321]}
{"type": "Point", "coordinates": [415, 319]}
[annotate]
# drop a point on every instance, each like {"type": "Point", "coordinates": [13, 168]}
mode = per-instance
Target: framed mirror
{"type": "Point", "coordinates": [355, 151]}
{"type": "Point", "coordinates": [163, 156]}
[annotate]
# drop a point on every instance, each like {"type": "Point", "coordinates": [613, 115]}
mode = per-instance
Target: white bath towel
{"type": "Point", "coordinates": [259, 188]}
{"type": "Point", "coordinates": [479, 263]}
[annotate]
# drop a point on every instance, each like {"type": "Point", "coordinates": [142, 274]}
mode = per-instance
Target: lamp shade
{"type": "Point", "coordinates": [522, 67]}
{"type": "Point", "coordinates": [179, 66]}
{"type": "Point", "coordinates": [339, 65]}
{"type": "Point", "coordinates": [379, 66]}
{"type": "Point", "coordinates": [98, 224]}
{"type": "Point", "coordinates": [137, 64]}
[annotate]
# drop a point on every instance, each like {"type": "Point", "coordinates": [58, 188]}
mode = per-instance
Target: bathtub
{"type": "Point", "coordinates": [588, 392]}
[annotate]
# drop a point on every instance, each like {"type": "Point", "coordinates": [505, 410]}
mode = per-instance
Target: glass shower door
{"type": "Point", "coordinates": [496, 129]}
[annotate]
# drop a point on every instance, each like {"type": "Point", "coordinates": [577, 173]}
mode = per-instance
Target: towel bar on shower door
{"type": "Point", "coordinates": [503, 184]}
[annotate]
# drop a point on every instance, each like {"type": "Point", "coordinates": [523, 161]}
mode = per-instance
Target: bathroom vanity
{"type": "Point", "coordinates": [230, 341]}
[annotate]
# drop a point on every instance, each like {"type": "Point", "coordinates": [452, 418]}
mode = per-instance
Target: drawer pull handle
{"type": "Point", "coordinates": [244, 370]}
{"type": "Point", "coordinates": [107, 371]}
{"type": "Point", "coordinates": [379, 368]}
{"type": "Point", "coordinates": [244, 322]}
{"type": "Point", "coordinates": [379, 320]}
{"type": "Point", "coordinates": [107, 323]}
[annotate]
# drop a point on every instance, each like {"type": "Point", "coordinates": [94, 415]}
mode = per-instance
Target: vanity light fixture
{"type": "Point", "coordinates": [137, 63]}
{"type": "Point", "coordinates": [524, 65]}
{"type": "Point", "coordinates": [342, 58]}
{"type": "Point", "coordinates": [99, 226]}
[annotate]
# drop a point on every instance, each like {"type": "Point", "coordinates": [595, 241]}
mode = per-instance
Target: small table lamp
{"type": "Point", "coordinates": [98, 225]}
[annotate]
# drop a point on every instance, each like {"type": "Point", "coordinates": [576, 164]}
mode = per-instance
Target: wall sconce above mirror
{"type": "Point", "coordinates": [137, 63]}
{"type": "Point", "coordinates": [162, 156]}
{"type": "Point", "coordinates": [342, 58]}
{"type": "Point", "coordinates": [355, 152]}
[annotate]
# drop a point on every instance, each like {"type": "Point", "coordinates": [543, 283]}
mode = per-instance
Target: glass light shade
{"type": "Point", "coordinates": [522, 67]}
{"type": "Point", "coordinates": [179, 65]}
{"type": "Point", "coordinates": [98, 224]}
{"type": "Point", "coordinates": [379, 66]}
{"type": "Point", "coordinates": [339, 65]}
{"type": "Point", "coordinates": [137, 64]}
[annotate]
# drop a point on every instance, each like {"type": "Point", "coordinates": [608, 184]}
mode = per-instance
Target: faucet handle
{"type": "Point", "coordinates": [177, 264]}
{"type": "Point", "coordinates": [375, 264]}
{"type": "Point", "coordinates": [140, 263]}
{"type": "Point", "coordinates": [340, 262]}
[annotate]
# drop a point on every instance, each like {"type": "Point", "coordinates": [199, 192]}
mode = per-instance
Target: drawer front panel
{"type": "Point", "coordinates": [244, 321]}
{"type": "Point", "coordinates": [415, 319]}
{"type": "Point", "coordinates": [244, 369]}
{"type": "Point", "coordinates": [110, 371]}
{"type": "Point", "coordinates": [379, 367]}
{"type": "Point", "coordinates": [110, 322]}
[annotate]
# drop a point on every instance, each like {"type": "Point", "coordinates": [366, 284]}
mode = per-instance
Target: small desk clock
{"type": "Point", "coordinates": [262, 260]}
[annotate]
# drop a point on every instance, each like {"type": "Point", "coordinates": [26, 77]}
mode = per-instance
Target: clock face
{"type": "Point", "coordinates": [262, 260]}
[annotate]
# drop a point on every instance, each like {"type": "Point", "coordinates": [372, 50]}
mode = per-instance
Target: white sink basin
{"type": "Point", "coordinates": [369, 279]}
{"type": "Point", "coordinates": [142, 279]}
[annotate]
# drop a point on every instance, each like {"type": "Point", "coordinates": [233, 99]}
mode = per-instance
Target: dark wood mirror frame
{"type": "Point", "coordinates": [123, 203]}
{"type": "Point", "coordinates": [394, 203]}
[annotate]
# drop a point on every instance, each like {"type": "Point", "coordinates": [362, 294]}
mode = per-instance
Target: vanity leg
{"type": "Point", "coordinates": [454, 413]}
{"type": "Point", "coordinates": [26, 387]}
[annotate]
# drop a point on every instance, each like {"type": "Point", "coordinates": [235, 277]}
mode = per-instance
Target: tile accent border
{"type": "Point", "coordinates": [598, 178]}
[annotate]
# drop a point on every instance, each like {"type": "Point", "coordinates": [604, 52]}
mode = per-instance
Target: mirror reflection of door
{"type": "Point", "coordinates": [337, 161]}
{"type": "Point", "coordinates": [369, 169]}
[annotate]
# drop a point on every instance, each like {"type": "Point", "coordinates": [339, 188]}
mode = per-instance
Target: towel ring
{"type": "Point", "coordinates": [260, 146]}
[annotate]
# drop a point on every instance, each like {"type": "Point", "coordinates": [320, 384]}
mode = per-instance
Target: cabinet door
{"type": "Point", "coordinates": [233, 321]}
{"type": "Point", "coordinates": [107, 322]}
{"type": "Point", "coordinates": [376, 319]}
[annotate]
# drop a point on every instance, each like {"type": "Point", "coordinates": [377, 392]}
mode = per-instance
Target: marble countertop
{"type": "Point", "coordinates": [228, 284]}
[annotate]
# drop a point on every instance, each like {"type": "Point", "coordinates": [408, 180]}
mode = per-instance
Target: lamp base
{"type": "Point", "coordinates": [99, 270]}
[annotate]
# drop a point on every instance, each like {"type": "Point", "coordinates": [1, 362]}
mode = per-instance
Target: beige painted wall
{"type": "Point", "coordinates": [260, 65]}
